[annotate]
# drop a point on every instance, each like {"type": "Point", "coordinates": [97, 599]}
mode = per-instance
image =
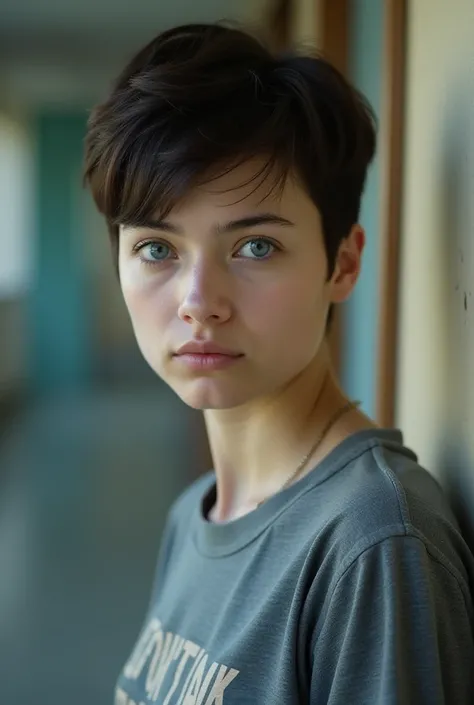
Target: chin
{"type": "Point", "coordinates": [206, 394]}
{"type": "Point", "coordinates": [208, 401]}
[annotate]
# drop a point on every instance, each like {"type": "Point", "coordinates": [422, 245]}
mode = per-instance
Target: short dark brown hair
{"type": "Point", "coordinates": [203, 96]}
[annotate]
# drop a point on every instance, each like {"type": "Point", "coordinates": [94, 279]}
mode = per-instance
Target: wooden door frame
{"type": "Point", "coordinates": [391, 149]}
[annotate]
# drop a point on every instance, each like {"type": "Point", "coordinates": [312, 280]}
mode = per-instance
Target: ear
{"type": "Point", "coordinates": [347, 266]}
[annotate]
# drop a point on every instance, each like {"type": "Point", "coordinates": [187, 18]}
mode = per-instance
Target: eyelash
{"type": "Point", "coordinates": [141, 245]}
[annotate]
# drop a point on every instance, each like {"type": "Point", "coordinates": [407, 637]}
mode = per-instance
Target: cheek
{"type": "Point", "coordinates": [149, 308]}
{"type": "Point", "coordinates": [291, 311]}
{"type": "Point", "coordinates": [135, 298]}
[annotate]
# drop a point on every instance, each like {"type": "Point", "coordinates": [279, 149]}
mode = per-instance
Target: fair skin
{"type": "Point", "coordinates": [261, 290]}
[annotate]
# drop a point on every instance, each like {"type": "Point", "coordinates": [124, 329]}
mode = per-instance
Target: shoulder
{"type": "Point", "coordinates": [386, 526]}
{"type": "Point", "coordinates": [380, 492]}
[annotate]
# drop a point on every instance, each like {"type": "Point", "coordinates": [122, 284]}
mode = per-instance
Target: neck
{"type": "Point", "coordinates": [256, 447]}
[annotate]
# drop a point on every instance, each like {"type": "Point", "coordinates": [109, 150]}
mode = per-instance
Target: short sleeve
{"type": "Point", "coordinates": [397, 631]}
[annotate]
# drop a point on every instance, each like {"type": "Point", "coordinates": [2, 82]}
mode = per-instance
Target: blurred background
{"type": "Point", "coordinates": [93, 448]}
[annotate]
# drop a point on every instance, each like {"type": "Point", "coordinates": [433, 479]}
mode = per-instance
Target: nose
{"type": "Point", "coordinates": [204, 299]}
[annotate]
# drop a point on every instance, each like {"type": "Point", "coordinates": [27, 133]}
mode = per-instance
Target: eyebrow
{"type": "Point", "coordinates": [250, 221]}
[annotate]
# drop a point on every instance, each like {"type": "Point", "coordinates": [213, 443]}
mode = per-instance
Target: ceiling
{"type": "Point", "coordinates": [71, 48]}
{"type": "Point", "coordinates": [30, 27]}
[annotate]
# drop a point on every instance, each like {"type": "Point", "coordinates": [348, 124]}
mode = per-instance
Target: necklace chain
{"type": "Point", "coordinates": [335, 417]}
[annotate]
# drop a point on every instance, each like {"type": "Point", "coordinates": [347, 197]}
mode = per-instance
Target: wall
{"type": "Point", "coordinates": [436, 339]}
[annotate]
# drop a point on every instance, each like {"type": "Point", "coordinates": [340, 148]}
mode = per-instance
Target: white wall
{"type": "Point", "coordinates": [436, 354]}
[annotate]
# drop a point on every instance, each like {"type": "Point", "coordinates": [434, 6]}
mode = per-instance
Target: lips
{"type": "Point", "coordinates": [206, 357]}
{"type": "Point", "coordinates": [206, 348]}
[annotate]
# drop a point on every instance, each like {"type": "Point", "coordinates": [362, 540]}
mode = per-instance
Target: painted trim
{"type": "Point", "coordinates": [391, 149]}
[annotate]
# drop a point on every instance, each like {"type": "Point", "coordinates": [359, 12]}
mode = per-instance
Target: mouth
{"type": "Point", "coordinates": [207, 361]}
{"type": "Point", "coordinates": [205, 348]}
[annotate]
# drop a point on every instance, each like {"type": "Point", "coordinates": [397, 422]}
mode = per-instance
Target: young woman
{"type": "Point", "coordinates": [317, 563]}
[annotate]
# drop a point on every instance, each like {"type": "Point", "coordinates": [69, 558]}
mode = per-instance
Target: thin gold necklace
{"type": "Point", "coordinates": [343, 410]}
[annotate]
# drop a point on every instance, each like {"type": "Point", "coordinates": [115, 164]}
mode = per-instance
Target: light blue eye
{"type": "Point", "coordinates": [259, 248]}
{"type": "Point", "coordinates": [155, 251]}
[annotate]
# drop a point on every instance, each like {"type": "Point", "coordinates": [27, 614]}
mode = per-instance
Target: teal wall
{"type": "Point", "coordinates": [361, 311]}
{"type": "Point", "coordinates": [60, 344]}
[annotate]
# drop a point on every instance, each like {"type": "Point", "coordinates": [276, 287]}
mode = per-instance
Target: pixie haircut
{"type": "Point", "coordinates": [201, 99]}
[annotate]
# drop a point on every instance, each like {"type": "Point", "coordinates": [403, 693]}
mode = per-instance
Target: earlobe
{"type": "Point", "coordinates": [343, 287]}
{"type": "Point", "coordinates": [348, 265]}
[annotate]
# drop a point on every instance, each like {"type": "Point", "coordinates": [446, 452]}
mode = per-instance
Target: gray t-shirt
{"type": "Point", "coordinates": [351, 587]}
